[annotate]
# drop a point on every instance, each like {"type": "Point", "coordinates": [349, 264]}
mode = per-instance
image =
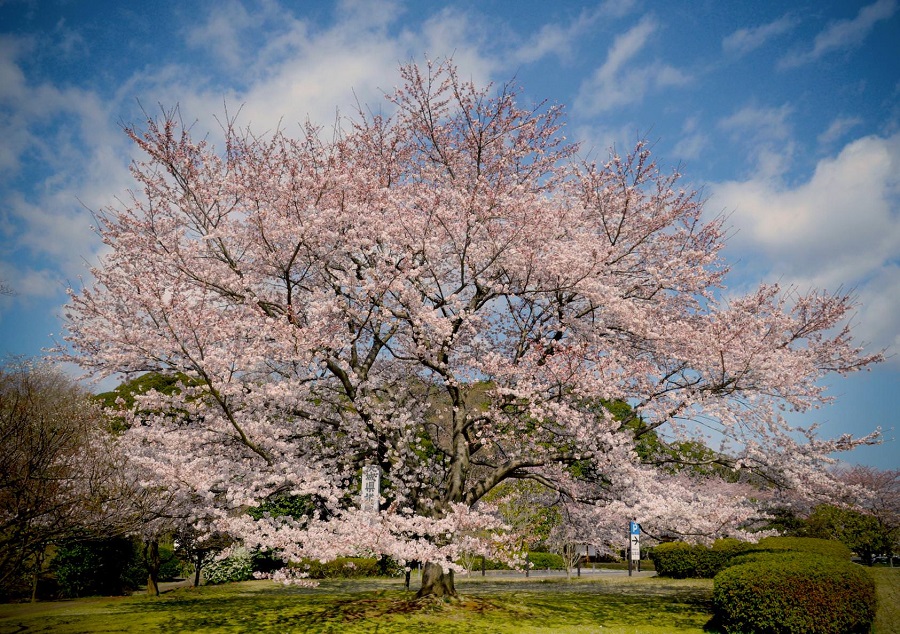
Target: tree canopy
{"type": "Point", "coordinates": [448, 293]}
{"type": "Point", "coordinates": [57, 478]}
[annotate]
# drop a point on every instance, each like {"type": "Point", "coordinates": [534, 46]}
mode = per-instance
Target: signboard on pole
{"type": "Point", "coordinates": [586, 550]}
{"type": "Point", "coordinates": [635, 540]}
{"type": "Point", "coordinates": [370, 493]}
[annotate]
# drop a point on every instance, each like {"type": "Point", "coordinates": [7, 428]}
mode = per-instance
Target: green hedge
{"type": "Point", "coordinates": [543, 561]}
{"type": "Point", "coordinates": [825, 547]}
{"type": "Point", "coordinates": [646, 565]}
{"type": "Point", "coordinates": [683, 561]}
{"type": "Point", "coordinates": [539, 560]}
{"type": "Point", "coordinates": [342, 568]}
{"type": "Point", "coordinates": [348, 567]}
{"type": "Point", "coordinates": [794, 593]}
{"type": "Point", "coordinates": [492, 564]}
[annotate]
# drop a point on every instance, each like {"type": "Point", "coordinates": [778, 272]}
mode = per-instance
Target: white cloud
{"type": "Point", "coordinates": [14, 95]}
{"type": "Point", "coordinates": [598, 141]}
{"type": "Point", "coordinates": [621, 80]}
{"type": "Point", "coordinates": [221, 32]}
{"type": "Point", "coordinates": [253, 45]}
{"type": "Point", "coordinates": [67, 139]}
{"type": "Point", "coordinates": [746, 40]}
{"type": "Point", "coordinates": [450, 33]}
{"type": "Point", "coordinates": [72, 135]}
{"type": "Point", "coordinates": [559, 39]}
{"type": "Point", "coordinates": [617, 8]}
{"type": "Point", "coordinates": [880, 298]}
{"type": "Point", "coordinates": [838, 128]}
{"type": "Point", "coordinates": [843, 34]}
{"type": "Point", "coordinates": [765, 133]}
{"type": "Point", "coordinates": [839, 229]}
{"type": "Point", "coordinates": [761, 123]}
{"type": "Point", "coordinates": [28, 283]}
{"type": "Point", "coordinates": [692, 142]}
{"type": "Point", "coordinates": [690, 146]}
{"type": "Point", "coordinates": [552, 39]}
{"type": "Point", "coordinates": [300, 71]}
{"type": "Point", "coordinates": [53, 233]}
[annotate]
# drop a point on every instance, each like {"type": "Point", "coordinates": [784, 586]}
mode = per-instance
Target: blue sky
{"type": "Point", "coordinates": [786, 114]}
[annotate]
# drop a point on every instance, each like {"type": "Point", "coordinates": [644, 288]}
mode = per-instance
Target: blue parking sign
{"type": "Point", "coordinates": [635, 528]}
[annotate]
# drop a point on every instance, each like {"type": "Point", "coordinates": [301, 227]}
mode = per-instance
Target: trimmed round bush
{"type": "Point", "coordinates": [674, 559]}
{"type": "Point", "coordinates": [794, 593]}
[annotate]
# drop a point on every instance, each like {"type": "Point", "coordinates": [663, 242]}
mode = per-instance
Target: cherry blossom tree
{"type": "Point", "coordinates": [448, 293]}
{"type": "Point", "coordinates": [880, 494]}
{"type": "Point", "coordinates": [161, 507]}
{"type": "Point", "coordinates": [876, 493]}
{"type": "Point", "coordinates": [59, 477]}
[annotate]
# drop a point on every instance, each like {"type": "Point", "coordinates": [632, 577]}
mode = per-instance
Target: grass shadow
{"type": "Point", "coordinates": [355, 606]}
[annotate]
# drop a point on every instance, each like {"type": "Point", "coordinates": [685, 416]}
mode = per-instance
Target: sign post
{"type": "Point", "coordinates": [634, 545]}
{"type": "Point", "coordinates": [370, 492]}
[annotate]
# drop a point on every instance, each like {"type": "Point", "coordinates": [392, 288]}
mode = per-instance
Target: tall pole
{"type": "Point", "coordinates": [634, 545]}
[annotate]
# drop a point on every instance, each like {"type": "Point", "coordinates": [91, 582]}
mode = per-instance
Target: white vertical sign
{"type": "Point", "coordinates": [371, 488]}
{"type": "Point", "coordinates": [635, 536]}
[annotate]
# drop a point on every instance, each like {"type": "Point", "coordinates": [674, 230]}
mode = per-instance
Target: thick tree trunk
{"type": "Point", "coordinates": [197, 566]}
{"type": "Point", "coordinates": [152, 560]}
{"type": "Point", "coordinates": [36, 574]}
{"type": "Point", "coordinates": [436, 582]}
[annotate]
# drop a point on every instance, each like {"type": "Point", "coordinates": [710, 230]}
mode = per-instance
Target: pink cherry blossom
{"type": "Point", "coordinates": [447, 293]}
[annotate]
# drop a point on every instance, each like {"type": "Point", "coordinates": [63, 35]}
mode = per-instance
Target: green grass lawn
{"type": "Point", "coordinates": [616, 605]}
{"type": "Point", "coordinates": [619, 605]}
{"type": "Point", "coordinates": [887, 585]}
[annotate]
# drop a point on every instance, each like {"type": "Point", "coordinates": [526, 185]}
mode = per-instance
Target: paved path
{"type": "Point", "coordinates": [511, 575]}
{"type": "Point", "coordinates": [543, 573]}
{"type": "Point", "coordinates": [165, 586]}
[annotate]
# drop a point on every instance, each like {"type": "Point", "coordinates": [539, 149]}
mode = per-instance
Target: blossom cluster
{"type": "Point", "coordinates": [446, 293]}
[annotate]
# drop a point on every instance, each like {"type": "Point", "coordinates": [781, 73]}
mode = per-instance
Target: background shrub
{"type": "Point", "coordinates": [646, 564]}
{"type": "Point", "coordinates": [825, 547]}
{"type": "Point", "coordinates": [238, 566]}
{"type": "Point", "coordinates": [341, 568]}
{"type": "Point", "coordinates": [94, 567]}
{"type": "Point", "coordinates": [796, 593]}
{"type": "Point", "coordinates": [682, 561]}
{"type": "Point", "coordinates": [172, 567]}
{"type": "Point", "coordinates": [543, 561]}
{"type": "Point", "coordinates": [673, 559]}
{"type": "Point", "coordinates": [491, 564]}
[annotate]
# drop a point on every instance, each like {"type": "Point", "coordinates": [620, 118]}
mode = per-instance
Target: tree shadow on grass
{"type": "Point", "coordinates": [282, 612]}
{"type": "Point", "coordinates": [622, 610]}
{"type": "Point", "coordinates": [366, 607]}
